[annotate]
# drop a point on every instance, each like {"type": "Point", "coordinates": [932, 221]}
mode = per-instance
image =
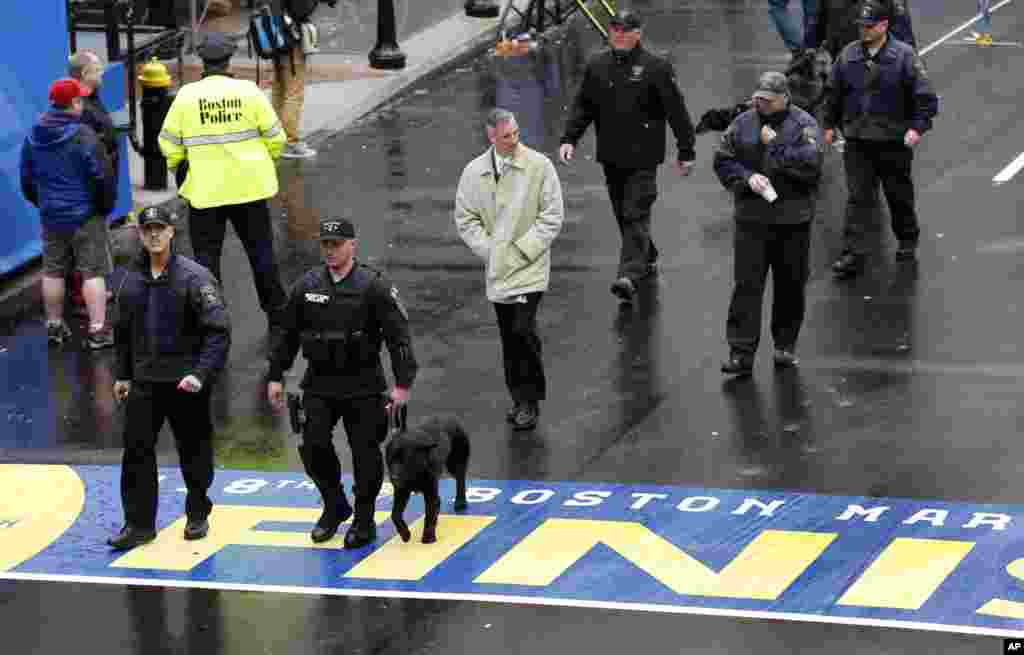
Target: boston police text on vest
{"type": "Point", "coordinates": [224, 110]}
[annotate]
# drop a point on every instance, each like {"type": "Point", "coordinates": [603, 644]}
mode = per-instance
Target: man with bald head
{"type": "Point", "coordinates": [87, 67]}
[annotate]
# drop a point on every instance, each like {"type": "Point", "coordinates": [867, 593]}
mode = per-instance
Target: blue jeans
{"type": "Point", "coordinates": [985, 9]}
{"type": "Point", "coordinates": [792, 34]}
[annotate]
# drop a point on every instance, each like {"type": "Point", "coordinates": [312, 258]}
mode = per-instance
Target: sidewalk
{"type": "Point", "coordinates": [342, 89]}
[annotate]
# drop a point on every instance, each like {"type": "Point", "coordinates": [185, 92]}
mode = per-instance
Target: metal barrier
{"type": "Point", "coordinates": [123, 16]}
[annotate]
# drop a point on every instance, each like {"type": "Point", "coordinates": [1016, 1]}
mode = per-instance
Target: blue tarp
{"type": "Point", "coordinates": [35, 54]}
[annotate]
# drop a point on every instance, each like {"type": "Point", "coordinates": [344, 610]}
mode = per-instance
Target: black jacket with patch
{"type": "Point", "coordinates": [171, 326]}
{"type": "Point", "coordinates": [629, 97]}
{"type": "Point", "coordinates": [340, 328]}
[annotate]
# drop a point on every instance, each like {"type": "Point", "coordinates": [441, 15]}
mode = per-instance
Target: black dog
{"type": "Point", "coordinates": [417, 459]}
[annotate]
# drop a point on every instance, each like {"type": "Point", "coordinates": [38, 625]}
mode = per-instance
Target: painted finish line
{"type": "Point", "coordinates": [928, 565]}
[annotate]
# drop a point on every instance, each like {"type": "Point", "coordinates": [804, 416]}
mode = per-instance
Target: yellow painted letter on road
{"type": "Point", "coordinates": [906, 573]}
{"type": "Point", "coordinates": [38, 503]}
{"type": "Point", "coordinates": [762, 570]}
{"type": "Point", "coordinates": [1007, 608]}
{"type": "Point", "coordinates": [229, 525]}
{"type": "Point", "coordinates": [397, 560]}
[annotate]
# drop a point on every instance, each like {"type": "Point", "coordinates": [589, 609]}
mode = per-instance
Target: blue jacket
{"type": "Point", "coordinates": [792, 161]}
{"type": "Point", "coordinates": [65, 173]}
{"type": "Point", "coordinates": [880, 100]}
{"type": "Point", "coordinates": [170, 327]}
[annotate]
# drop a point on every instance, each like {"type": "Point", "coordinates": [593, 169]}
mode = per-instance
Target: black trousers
{"type": "Point", "coordinates": [366, 426]}
{"type": "Point", "coordinates": [785, 250]}
{"type": "Point", "coordinates": [251, 221]}
{"type": "Point", "coordinates": [633, 192]}
{"type": "Point", "coordinates": [149, 404]}
{"type": "Point", "coordinates": [521, 349]}
{"type": "Point", "coordinates": [867, 164]}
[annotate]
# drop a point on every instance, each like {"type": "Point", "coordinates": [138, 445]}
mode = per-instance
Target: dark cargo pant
{"type": "Point", "coordinates": [867, 164]}
{"type": "Point", "coordinates": [784, 249]}
{"type": "Point", "coordinates": [149, 404]}
{"type": "Point", "coordinates": [521, 349]}
{"type": "Point", "coordinates": [366, 426]}
{"type": "Point", "coordinates": [251, 221]}
{"type": "Point", "coordinates": [633, 192]}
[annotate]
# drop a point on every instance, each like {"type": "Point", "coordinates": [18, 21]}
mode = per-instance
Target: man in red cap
{"type": "Point", "coordinates": [67, 176]}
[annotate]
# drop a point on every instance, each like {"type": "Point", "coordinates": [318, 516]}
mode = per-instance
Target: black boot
{"type": "Point", "coordinates": [336, 511]}
{"type": "Point", "coordinates": [336, 507]}
{"type": "Point", "coordinates": [363, 531]}
{"type": "Point", "coordinates": [130, 537]}
{"type": "Point", "coordinates": [510, 413]}
{"type": "Point", "coordinates": [848, 265]}
{"type": "Point", "coordinates": [738, 365]}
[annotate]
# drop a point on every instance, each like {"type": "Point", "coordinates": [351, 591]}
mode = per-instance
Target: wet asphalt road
{"type": "Point", "coordinates": [908, 386]}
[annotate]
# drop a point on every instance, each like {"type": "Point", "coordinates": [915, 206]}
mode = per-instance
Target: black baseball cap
{"type": "Point", "coordinates": [873, 11]}
{"type": "Point", "coordinates": [156, 214]}
{"type": "Point", "coordinates": [216, 48]}
{"type": "Point", "coordinates": [627, 19]}
{"type": "Point", "coordinates": [337, 228]}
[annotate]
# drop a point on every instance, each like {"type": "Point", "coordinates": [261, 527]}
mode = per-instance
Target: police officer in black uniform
{"type": "Point", "coordinates": [339, 314]}
{"type": "Point", "coordinates": [880, 96]}
{"type": "Point", "coordinates": [172, 337]}
{"type": "Point", "coordinates": [629, 94]}
{"type": "Point", "coordinates": [771, 160]}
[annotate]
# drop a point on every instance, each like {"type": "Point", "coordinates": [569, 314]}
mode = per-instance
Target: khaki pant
{"type": "Point", "coordinates": [290, 91]}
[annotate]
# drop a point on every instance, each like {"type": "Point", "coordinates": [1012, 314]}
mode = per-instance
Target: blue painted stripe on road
{"type": "Point", "coordinates": [931, 565]}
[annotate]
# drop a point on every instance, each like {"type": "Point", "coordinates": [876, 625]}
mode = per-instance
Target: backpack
{"type": "Point", "coordinates": [268, 36]}
{"type": "Point", "coordinates": [301, 10]}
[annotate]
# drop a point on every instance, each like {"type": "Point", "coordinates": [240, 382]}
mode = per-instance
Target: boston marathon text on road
{"type": "Point", "coordinates": [870, 514]}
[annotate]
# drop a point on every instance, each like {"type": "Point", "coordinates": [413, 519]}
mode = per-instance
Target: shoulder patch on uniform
{"type": "Point", "coordinates": [811, 135]}
{"type": "Point", "coordinates": [398, 303]}
{"type": "Point", "coordinates": [208, 292]}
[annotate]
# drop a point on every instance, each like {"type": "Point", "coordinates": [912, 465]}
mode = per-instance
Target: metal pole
{"type": "Point", "coordinates": [133, 137]}
{"type": "Point", "coordinates": [610, 8]}
{"type": "Point", "coordinates": [110, 25]}
{"type": "Point", "coordinates": [72, 31]}
{"type": "Point", "coordinates": [386, 53]}
{"type": "Point", "coordinates": [593, 21]}
{"type": "Point", "coordinates": [195, 25]}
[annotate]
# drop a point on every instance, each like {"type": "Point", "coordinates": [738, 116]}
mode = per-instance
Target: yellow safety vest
{"type": "Point", "coordinates": [229, 133]}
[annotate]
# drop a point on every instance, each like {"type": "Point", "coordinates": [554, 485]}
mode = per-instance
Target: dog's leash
{"type": "Point", "coordinates": [398, 420]}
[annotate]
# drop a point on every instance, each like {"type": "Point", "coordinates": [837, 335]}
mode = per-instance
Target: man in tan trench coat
{"type": "Point", "coordinates": [508, 210]}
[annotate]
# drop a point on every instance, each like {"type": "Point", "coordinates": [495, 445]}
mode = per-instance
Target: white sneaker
{"type": "Point", "coordinates": [298, 150]}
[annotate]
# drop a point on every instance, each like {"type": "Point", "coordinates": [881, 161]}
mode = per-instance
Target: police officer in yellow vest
{"type": "Point", "coordinates": [228, 134]}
